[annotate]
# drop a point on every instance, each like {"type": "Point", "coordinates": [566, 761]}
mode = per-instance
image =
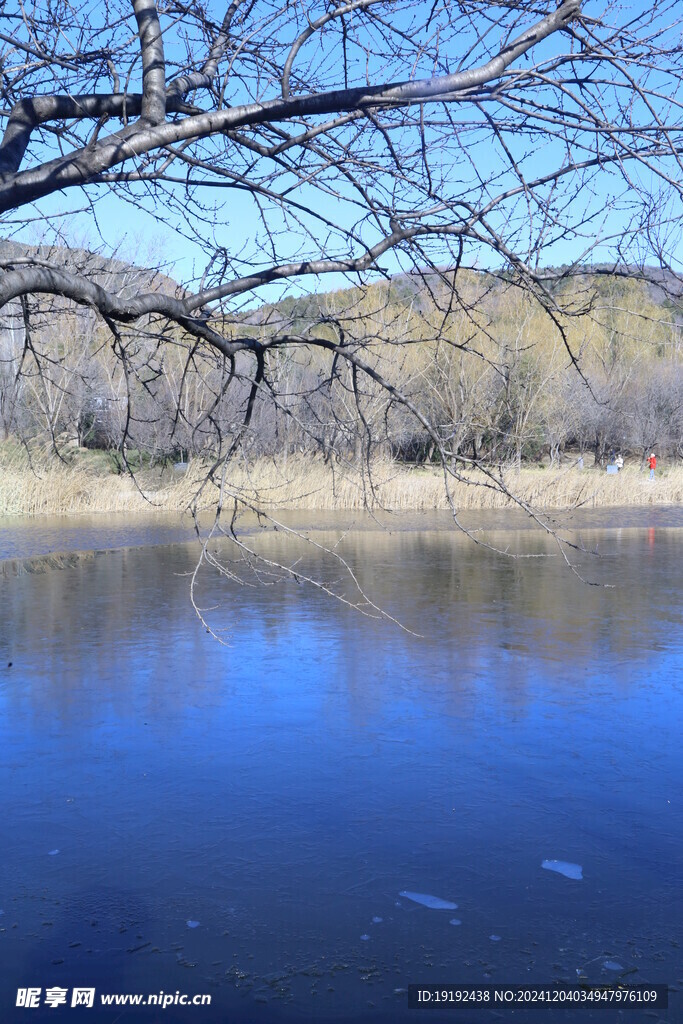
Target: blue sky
{"type": "Point", "coordinates": [145, 233]}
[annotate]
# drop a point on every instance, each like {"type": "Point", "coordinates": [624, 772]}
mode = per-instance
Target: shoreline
{"type": "Point", "coordinates": [43, 543]}
{"type": "Point", "coordinates": [81, 540]}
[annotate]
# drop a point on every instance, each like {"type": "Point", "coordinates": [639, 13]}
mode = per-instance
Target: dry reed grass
{"type": "Point", "coordinates": [310, 484]}
{"type": "Point", "coordinates": [52, 488]}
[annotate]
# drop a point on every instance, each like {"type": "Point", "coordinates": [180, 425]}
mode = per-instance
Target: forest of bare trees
{"type": "Point", "coordinates": [495, 383]}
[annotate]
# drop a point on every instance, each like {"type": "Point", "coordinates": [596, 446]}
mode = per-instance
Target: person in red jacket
{"type": "Point", "coordinates": [653, 465]}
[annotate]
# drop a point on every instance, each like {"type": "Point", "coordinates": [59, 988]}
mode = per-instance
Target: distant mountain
{"type": "Point", "coordinates": [422, 291]}
{"type": "Point", "coordinates": [116, 275]}
{"type": "Point", "coordinates": [483, 292]}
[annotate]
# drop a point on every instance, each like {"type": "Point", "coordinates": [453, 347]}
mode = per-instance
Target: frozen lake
{"type": "Point", "coordinates": [304, 822]}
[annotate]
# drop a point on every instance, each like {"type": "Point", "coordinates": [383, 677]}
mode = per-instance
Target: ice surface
{"type": "Point", "coordinates": [563, 867]}
{"type": "Point", "coordinates": [192, 924]}
{"type": "Point", "coordinates": [52, 853]}
{"type": "Point", "coordinates": [377, 920]}
{"type": "Point", "coordinates": [455, 920]}
{"type": "Point", "coordinates": [364, 938]}
{"type": "Point", "coordinates": [494, 938]}
{"type": "Point", "coordinates": [612, 965]}
{"type": "Point", "coordinates": [433, 902]}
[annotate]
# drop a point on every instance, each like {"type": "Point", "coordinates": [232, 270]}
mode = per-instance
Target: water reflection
{"type": "Point", "coordinates": [284, 790]}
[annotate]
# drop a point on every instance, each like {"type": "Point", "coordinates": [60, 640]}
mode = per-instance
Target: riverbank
{"type": "Point", "coordinates": [48, 486]}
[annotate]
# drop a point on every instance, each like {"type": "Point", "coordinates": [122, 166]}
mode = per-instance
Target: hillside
{"type": "Point", "coordinates": [593, 363]}
{"type": "Point", "coordinates": [118, 275]}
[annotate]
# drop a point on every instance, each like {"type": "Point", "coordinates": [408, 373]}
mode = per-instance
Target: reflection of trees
{"type": "Point", "coordinates": [91, 644]}
{"type": "Point", "coordinates": [107, 639]}
{"type": "Point", "coordinates": [436, 585]}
